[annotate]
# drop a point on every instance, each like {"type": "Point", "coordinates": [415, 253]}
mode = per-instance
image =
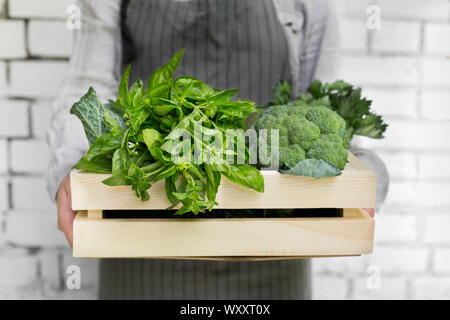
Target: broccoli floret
{"type": "Point", "coordinates": [292, 155]}
{"type": "Point", "coordinates": [268, 121]}
{"type": "Point", "coordinates": [303, 133]}
{"type": "Point", "coordinates": [328, 149]}
{"type": "Point", "coordinates": [306, 131]}
{"type": "Point", "coordinates": [328, 121]}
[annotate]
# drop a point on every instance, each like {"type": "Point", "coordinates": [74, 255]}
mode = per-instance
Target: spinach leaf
{"type": "Point", "coordinates": [91, 112]}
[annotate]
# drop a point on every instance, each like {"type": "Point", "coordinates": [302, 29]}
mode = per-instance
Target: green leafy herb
{"type": "Point", "coordinates": [343, 98]}
{"type": "Point", "coordinates": [140, 138]}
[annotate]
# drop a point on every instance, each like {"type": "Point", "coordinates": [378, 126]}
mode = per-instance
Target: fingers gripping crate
{"type": "Point", "coordinates": [230, 238]}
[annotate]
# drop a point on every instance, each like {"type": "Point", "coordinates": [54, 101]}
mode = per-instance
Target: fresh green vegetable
{"type": "Point", "coordinates": [167, 131]}
{"type": "Point", "coordinates": [307, 132]}
{"type": "Point", "coordinates": [316, 128]}
{"type": "Point", "coordinates": [346, 100]}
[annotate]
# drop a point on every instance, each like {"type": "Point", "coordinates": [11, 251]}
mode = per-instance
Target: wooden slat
{"type": "Point", "coordinates": [354, 188]}
{"type": "Point", "coordinates": [219, 238]}
{"type": "Point", "coordinates": [95, 214]}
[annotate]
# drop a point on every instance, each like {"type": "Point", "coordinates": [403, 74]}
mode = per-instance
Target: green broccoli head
{"type": "Point", "coordinates": [306, 132]}
{"type": "Point", "coordinates": [328, 121]}
{"type": "Point", "coordinates": [291, 155]}
{"type": "Point", "coordinates": [330, 149]}
{"type": "Point", "coordinates": [303, 133]}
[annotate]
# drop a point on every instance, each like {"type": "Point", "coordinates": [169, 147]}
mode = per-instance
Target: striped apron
{"type": "Point", "coordinates": [229, 44]}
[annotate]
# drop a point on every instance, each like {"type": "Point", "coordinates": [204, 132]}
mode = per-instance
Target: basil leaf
{"type": "Point", "coordinates": [246, 176]}
{"type": "Point", "coordinates": [212, 182]}
{"type": "Point", "coordinates": [164, 73]}
{"type": "Point", "coordinates": [113, 117]}
{"type": "Point", "coordinates": [122, 102]}
{"type": "Point", "coordinates": [171, 189]}
{"type": "Point", "coordinates": [97, 165]}
{"type": "Point", "coordinates": [221, 97]}
{"type": "Point", "coordinates": [117, 181]}
{"type": "Point", "coordinates": [151, 136]}
{"type": "Point", "coordinates": [104, 145]}
{"type": "Point", "coordinates": [164, 109]}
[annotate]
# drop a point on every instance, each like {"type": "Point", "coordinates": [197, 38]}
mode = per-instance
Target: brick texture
{"type": "Point", "coordinates": [397, 37]}
{"type": "Point", "coordinates": [58, 40]}
{"type": "Point", "coordinates": [16, 124]}
{"type": "Point", "coordinates": [21, 151]}
{"type": "Point", "coordinates": [12, 33]}
{"type": "Point", "coordinates": [3, 157]}
{"type": "Point", "coordinates": [435, 38]}
{"type": "Point", "coordinates": [40, 9]}
{"type": "Point", "coordinates": [36, 78]}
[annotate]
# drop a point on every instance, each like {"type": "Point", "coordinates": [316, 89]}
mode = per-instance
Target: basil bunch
{"type": "Point", "coordinates": [135, 138]}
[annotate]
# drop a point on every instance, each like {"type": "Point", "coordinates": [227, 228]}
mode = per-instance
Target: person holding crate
{"type": "Point", "coordinates": [230, 43]}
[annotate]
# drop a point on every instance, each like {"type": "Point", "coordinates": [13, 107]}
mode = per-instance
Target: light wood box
{"type": "Point", "coordinates": [229, 239]}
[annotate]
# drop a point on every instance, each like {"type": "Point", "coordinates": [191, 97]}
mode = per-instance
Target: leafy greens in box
{"type": "Point", "coordinates": [316, 128]}
{"type": "Point", "coordinates": [135, 137]}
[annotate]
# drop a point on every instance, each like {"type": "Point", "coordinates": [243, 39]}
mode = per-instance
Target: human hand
{"type": "Point", "coordinates": [65, 213]}
{"type": "Point", "coordinates": [370, 211]}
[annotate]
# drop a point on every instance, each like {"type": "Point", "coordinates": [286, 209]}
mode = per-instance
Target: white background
{"type": "Point", "coordinates": [404, 67]}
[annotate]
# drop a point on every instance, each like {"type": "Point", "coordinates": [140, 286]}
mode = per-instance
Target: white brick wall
{"type": "Point", "coordinates": [3, 194]}
{"type": "Point", "coordinates": [23, 150]}
{"type": "Point", "coordinates": [2, 78]}
{"type": "Point", "coordinates": [21, 229]}
{"type": "Point", "coordinates": [397, 37]}
{"type": "Point", "coordinates": [29, 193]}
{"type": "Point", "coordinates": [433, 10]}
{"type": "Point", "coordinates": [353, 33]}
{"type": "Point", "coordinates": [16, 123]}
{"type": "Point", "coordinates": [437, 104]}
{"type": "Point", "coordinates": [12, 33]}
{"type": "Point", "coordinates": [436, 38]}
{"type": "Point", "coordinates": [436, 72]}
{"type": "Point", "coordinates": [17, 268]}
{"type": "Point", "coordinates": [39, 9]}
{"type": "Point", "coordinates": [34, 79]}
{"type": "Point", "coordinates": [431, 288]}
{"type": "Point", "coordinates": [393, 102]}
{"type": "Point", "coordinates": [56, 43]}
{"type": "Point", "coordinates": [35, 45]}
{"type": "Point", "coordinates": [434, 166]}
{"type": "Point", "coordinates": [41, 114]}
{"type": "Point", "coordinates": [391, 288]}
{"type": "Point", "coordinates": [436, 229]}
{"type": "Point", "coordinates": [441, 261]}
{"type": "Point", "coordinates": [386, 70]}
{"type": "Point", "coordinates": [3, 156]}
{"type": "Point", "coordinates": [404, 67]}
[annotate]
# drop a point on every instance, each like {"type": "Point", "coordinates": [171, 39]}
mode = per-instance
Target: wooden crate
{"type": "Point", "coordinates": [354, 188]}
{"type": "Point", "coordinates": [229, 239]}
